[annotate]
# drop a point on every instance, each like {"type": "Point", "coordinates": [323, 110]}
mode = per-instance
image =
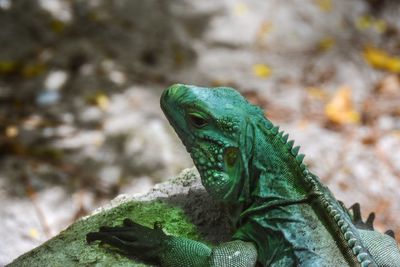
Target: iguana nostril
{"type": "Point", "coordinates": [165, 94]}
{"type": "Point", "coordinates": [173, 90]}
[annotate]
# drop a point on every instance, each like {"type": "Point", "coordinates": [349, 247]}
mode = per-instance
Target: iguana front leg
{"type": "Point", "coordinates": [154, 246]}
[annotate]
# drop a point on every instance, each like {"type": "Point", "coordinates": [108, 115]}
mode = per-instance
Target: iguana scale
{"type": "Point", "coordinates": [284, 215]}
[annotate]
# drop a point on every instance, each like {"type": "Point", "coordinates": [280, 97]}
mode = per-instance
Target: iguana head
{"type": "Point", "coordinates": [212, 124]}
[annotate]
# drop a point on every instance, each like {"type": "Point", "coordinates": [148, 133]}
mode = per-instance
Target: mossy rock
{"type": "Point", "coordinates": [181, 204]}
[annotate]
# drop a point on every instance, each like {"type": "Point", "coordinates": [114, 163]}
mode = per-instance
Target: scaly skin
{"type": "Point", "coordinates": [284, 215]}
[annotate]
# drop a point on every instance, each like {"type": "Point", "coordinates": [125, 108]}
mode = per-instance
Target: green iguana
{"type": "Point", "coordinates": [284, 215]}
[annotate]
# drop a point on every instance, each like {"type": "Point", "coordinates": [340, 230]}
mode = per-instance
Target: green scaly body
{"type": "Point", "coordinates": [284, 216]}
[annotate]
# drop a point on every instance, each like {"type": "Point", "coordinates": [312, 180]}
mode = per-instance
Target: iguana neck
{"type": "Point", "coordinates": [286, 195]}
{"type": "Point", "coordinates": [276, 167]}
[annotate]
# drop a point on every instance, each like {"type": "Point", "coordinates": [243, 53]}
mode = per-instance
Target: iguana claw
{"type": "Point", "coordinates": [357, 218]}
{"type": "Point", "coordinates": [132, 238]}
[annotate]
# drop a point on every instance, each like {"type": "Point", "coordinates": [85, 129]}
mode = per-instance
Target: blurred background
{"type": "Point", "coordinates": [80, 82]}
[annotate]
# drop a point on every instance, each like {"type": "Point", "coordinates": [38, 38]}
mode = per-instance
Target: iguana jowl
{"type": "Point", "coordinates": [284, 215]}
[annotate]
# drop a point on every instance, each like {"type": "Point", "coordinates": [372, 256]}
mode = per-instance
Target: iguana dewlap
{"type": "Point", "coordinates": [284, 215]}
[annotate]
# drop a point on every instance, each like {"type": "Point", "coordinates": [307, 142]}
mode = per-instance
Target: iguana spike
{"type": "Point", "coordinates": [365, 263]}
{"type": "Point", "coordinates": [357, 249]}
{"type": "Point", "coordinates": [269, 125]}
{"type": "Point", "coordinates": [285, 138]}
{"type": "Point", "coordinates": [290, 144]}
{"type": "Point", "coordinates": [300, 158]}
{"type": "Point", "coordinates": [390, 233]}
{"type": "Point", "coordinates": [303, 166]}
{"type": "Point", "coordinates": [275, 129]}
{"type": "Point", "coordinates": [361, 257]}
{"type": "Point", "coordinates": [352, 242]}
{"type": "Point", "coordinates": [280, 134]}
{"type": "Point", "coordinates": [295, 150]}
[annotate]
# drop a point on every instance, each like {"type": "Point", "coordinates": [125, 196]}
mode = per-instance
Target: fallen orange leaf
{"type": "Point", "coordinates": [340, 109]}
{"type": "Point", "coordinates": [389, 85]}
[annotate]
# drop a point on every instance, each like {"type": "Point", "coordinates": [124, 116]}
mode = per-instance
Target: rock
{"type": "Point", "coordinates": [181, 204]}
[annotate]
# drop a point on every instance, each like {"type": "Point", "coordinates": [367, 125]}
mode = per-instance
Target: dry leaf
{"type": "Point", "coordinates": [380, 59]}
{"type": "Point", "coordinates": [368, 22]}
{"type": "Point", "coordinates": [102, 101]}
{"type": "Point", "coordinates": [340, 109]}
{"type": "Point", "coordinates": [11, 131]}
{"type": "Point", "coordinates": [324, 5]}
{"type": "Point", "coordinates": [261, 70]}
{"type": "Point", "coordinates": [363, 22]}
{"type": "Point", "coordinates": [326, 44]}
{"type": "Point", "coordinates": [389, 85]}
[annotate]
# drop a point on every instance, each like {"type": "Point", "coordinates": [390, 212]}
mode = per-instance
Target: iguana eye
{"type": "Point", "coordinates": [196, 120]}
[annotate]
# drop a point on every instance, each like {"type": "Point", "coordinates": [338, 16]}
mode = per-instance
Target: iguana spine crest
{"type": "Point", "coordinates": [343, 227]}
